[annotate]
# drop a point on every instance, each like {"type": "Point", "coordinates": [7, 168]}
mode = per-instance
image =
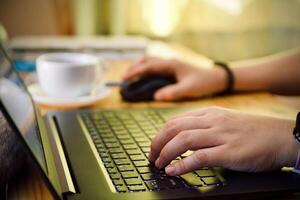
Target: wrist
{"type": "Point", "coordinates": [248, 78]}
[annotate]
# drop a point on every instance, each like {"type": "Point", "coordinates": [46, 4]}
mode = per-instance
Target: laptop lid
{"type": "Point", "coordinates": [21, 115]}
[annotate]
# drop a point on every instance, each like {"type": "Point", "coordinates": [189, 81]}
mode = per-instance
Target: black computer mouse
{"type": "Point", "coordinates": [143, 89]}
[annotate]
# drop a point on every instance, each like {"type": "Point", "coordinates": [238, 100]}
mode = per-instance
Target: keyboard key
{"type": "Point", "coordinates": [149, 128]}
{"type": "Point", "coordinates": [104, 129]}
{"type": "Point", "coordinates": [192, 179]}
{"type": "Point", "coordinates": [104, 155]}
{"type": "Point", "coordinates": [107, 134]}
{"type": "Point", "coordinates": [116, 150]}
{"type": "Point", "coordinates": [125, 168]}
{"type": "Point", "coordinates": [121, 188]}
{"type": "Point", "coordinates": [131, 127]}
{"type": "Point", "coordinates": [109, 140]}
{"type": "Point", "coordinates": [210, 180]}
{"type": "Point", "coordinates": [141, 139]}
{"type": "Point", "coordinates": [133, 181]}
{"type": "Point", "coordinates": [122, 162]}
{"type": "Point", "coordinates": [102, 150]}
{"type": "Point", "coordinates": [136, 132]}
{"type": "Point", "coordinates": [115, 176]}
{"type": "Point", "coordinates": [106, 160]}
{"type": "Point", "coordinates": [145, 149]}
{"type": "Point", "coordinates": [112, 145]}
{"type": "Point", "coordinates": [100, 145]}
{"type": "Point", "coordinates": [123, 116]}
{"type": "Point", "coordinates": [186, 154]}
{"type": "Point", "coordinates": [98, 141]}
{"type": "Point", "coordinates": [129, 121]}
{"type": "Point", "coordinates": [150, 176]}
{"type": "Point", "coordinates": [129, 174]}
{"type": "Point", "coordinates": [151, 132]}
{"type": "Point", "coordinates": [112, 170]}
{"type": "Point", "coordinates": [118, 156]}
{"type": "Point", "coordinates": [151, 136]}
{"type": "Point", "coordinates": [134, 152]}
{"type": "Point", "coordinates": [109, 165]}
{"type": "Point", "coordinates": [121, 132]}
{"type": "Point", "coordinates": [118, 182]}
{"type": "Point", "coordinates": [144, 144]}
{"type": "Point", "coordinates": [205, 173]}
{"type": "Point", "coordinates": [127, 141]}
{"type": "Point", "coordinates": [152, 185]}
{"type": "Point", "coordinates": [141, 163]}
{"type": "Point", "coordinates": [117, 126]}
{"type": "Point", "coordinates": [130, 146]}
{"type": "Point", "coordinates": [123, 137]}
{"type": "Point", "coordinates": [137, 157]}
{"type": "Point", "coordinates": [136, 188]}
{"type": "Point", "coordinates": [143, 170]}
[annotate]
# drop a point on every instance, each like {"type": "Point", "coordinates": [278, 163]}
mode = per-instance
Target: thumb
{"type": "Point", "coordinates": [171, 92]}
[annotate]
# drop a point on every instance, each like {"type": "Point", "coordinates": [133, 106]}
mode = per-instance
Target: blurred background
{"type": "Point", "coordinates": [220, 29]}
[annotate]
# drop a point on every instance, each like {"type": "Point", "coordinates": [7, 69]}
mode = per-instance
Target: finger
{"type": "Point", "coordinates": [171, 129]}
{"type": "Point", "coordinates": [147, 58]}
{"type": "Point", "coordinates": [151, 66]}
{"type": "Point", "coordinates": [200, 112]}
{"type": "Point", "coordinates": [171, 92]}
{"type": "Point", "coordinates": [184, 141]}
{"type": "Point", "coordinates": [141, 61]}
{"type": "Point", "coordinates": [209, 157]}
{"type": "Point", "coordinates": [137, 65]}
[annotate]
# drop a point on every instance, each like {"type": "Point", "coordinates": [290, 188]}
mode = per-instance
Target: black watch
{"type": "Point", "coordinates": [230, 78]}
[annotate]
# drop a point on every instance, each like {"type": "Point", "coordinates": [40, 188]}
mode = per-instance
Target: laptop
{"type": "Point", "coordinates": [102, 154]}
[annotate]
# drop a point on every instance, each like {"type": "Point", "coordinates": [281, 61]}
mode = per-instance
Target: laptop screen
{"type": "Point", "coordinates": [19, 106]}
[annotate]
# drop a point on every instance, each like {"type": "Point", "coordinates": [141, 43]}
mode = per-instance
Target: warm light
{"type": "Point", "coordinates": [162, 15]}
{"type": "Point", "coordinates": [233, 7]}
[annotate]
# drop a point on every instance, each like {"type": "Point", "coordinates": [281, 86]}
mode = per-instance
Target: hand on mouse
{"type": "Point", "coordinates": [225, 138]}
{"type": "Point", "coordinates": [191, 82]}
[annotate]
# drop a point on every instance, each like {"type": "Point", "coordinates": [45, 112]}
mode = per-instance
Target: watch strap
{"type": "Point", "coordinates": [230, 77]}
{"type": "Point", "coordinates": [296, 134]}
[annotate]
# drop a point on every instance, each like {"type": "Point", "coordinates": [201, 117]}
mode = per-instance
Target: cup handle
{"type": "Point", "coordinates": [101, 68]}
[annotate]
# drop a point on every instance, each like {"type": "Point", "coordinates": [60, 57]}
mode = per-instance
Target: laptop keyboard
{"type": "Point", "coordinates": [122, 139]}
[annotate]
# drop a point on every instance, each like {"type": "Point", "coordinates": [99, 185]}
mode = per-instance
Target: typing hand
{"type": "Point", "coordinates": [191, 82]}
{"type": "Point", "coordinates": [226, 138]}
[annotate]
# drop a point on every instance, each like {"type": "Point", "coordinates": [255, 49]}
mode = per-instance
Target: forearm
{"type": "Point", "coordinates": [279, 74]}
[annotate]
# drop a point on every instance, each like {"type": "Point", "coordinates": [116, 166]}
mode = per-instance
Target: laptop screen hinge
{"type": "Point", "coordinates": [61, 163]}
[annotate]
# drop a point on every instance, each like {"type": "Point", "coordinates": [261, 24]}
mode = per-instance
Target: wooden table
{"type": "Point", "coordinates": [29, 184]}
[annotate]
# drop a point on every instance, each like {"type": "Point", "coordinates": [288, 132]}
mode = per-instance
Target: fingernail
{"type": "Point", "coordinates": [158, 163]}
{"type": "Point", "coordinates": [170, 170]}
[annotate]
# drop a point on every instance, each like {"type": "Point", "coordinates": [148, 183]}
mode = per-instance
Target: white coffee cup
{"type": "Point", "coordinates": [68, 75]}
